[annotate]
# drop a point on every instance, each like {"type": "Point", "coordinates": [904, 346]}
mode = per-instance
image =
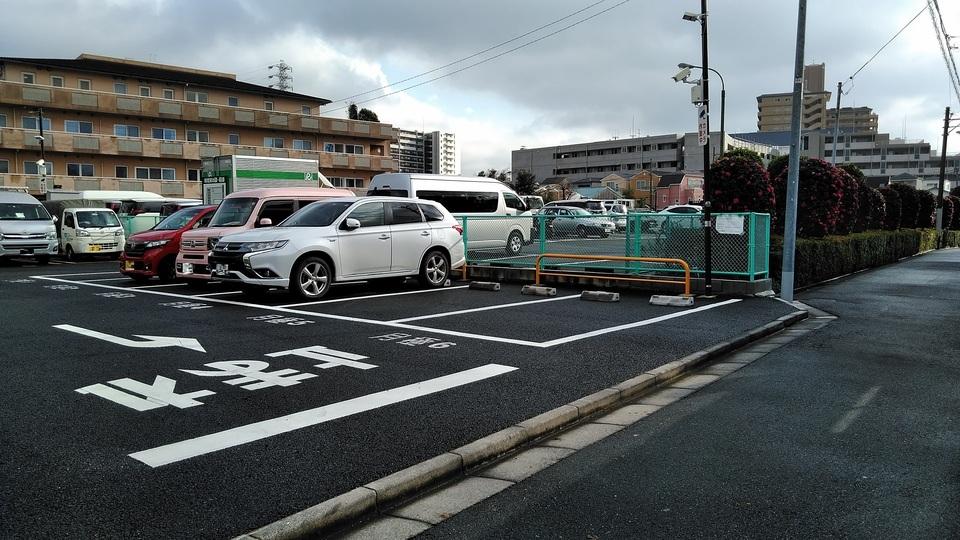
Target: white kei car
{"type": "Point", "coordinates": [344, 239]}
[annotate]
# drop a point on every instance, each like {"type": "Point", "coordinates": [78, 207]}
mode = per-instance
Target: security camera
{"type": "Point", "coordinates": [691, 16]}
{"type": "Point", "coordinates": [39, 138]}
{"type": "Point", "coordinates": [41, 163]}
{"type": "Point", "coordinates": [682, 75]}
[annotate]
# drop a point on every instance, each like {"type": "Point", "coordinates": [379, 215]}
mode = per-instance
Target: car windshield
{"type": "Point", "coordinates": [23, 212]}
{"type": "Point", "coordinates": [320, 214]}
{"type": "Point", "coordinates": [233, 212]}
{"type": "Point", "coordinates": [97, 219]}
{"type": "Point", "coordinates": [178, 220]}
{"type": "Point", "coordinates": [579, 212]}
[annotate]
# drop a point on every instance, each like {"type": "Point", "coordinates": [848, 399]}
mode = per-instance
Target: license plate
{"type": "Point", "coordinates": [220, 269]}
{"type": "Point", "coordinates": [26, 252]}
{"type": "Point", "coordinates": [128, 265]}
{"type": "Point", "coordinates": [94, 247]}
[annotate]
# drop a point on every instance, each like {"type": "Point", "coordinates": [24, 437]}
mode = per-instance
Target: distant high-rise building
{"type": "Point", "coordinates": [426, 152]}
{"type": "Point", "coordinates": [774, 110]}
{"type": "Point", "coordinates": [858, 119]}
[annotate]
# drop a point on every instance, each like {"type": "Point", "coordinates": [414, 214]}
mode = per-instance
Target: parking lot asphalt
{"type": "Point", "coordinates": [176, 411]}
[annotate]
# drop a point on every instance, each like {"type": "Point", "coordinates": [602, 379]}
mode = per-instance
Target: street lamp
{"type": "Point", "coordinates": [705, 70]}
{"type": "Point", "coordinates": [42, 164]}
{"type": "Point", "coordinates": [723, 103]}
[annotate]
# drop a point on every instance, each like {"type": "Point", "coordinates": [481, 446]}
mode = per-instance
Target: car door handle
{"type": "Point", "coordinates": [425, 233]}
{"type": "Point", "coordinates": [384, 236]}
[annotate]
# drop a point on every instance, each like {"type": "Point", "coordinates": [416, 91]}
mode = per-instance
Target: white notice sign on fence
{"type": "Point", "coordinates": [726, 224]}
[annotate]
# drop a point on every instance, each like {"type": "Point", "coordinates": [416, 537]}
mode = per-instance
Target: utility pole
{"type": "Point", "coordinates": [943, 172]}
{"type": "Point", "coordinates": [284, 76]}
{"type": "Point", "coordinates": [793, 175]}
{"type": "Point", "coordinates": [707, 223]}
{"type": "Point", "coordinates": [836, 125]}
{"type": "Point", "coordinates": [43, 156]}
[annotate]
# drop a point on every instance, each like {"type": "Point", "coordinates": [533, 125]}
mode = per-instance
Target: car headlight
{"type": "Point", "coordinates": [83, 233]}
{"type": "Point", "coordinates": [52, 235]}
{"type": "Point", "coordinates": [263, 246]}
{"type": "Point", "coordinates": [155, 244]}
{"type": "Point", "coordinates": [118, 233]}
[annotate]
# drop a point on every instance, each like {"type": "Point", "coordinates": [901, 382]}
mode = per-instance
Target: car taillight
{"type": "Point", "coordinates": [458, 228]}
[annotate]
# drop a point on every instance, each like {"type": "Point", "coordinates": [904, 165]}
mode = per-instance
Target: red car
{"type": "Point", "coordinates": [154, 252]}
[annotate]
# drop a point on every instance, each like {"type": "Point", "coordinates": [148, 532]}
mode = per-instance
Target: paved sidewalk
{"type": "Point", "coordinates": [849, 431]}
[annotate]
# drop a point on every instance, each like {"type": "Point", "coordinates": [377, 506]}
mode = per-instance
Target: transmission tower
{"type": "Point", "coordinates": [283, 73]}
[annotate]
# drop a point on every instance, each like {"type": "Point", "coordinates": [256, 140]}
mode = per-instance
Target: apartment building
{"type": "Point", "coordinates": [674, 152]}
{"type": "Point", "coordinates": [774, 111]}
{"type": "Point", "coordinates": [858, 119]}
{"type": "Point", "coordinates": [426, 152]}
{"type": "Point", "coordinates": [117, 124]}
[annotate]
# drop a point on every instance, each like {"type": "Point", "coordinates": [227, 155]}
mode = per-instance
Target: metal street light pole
{"type": "Point", "coordinates": [836, 125]}
{"type": "Point", "coordinates": [723, 104]}
{"type": "Point", "coordinates": [793, 175]}
{"type": "Point", "coordinates": [43, 157]}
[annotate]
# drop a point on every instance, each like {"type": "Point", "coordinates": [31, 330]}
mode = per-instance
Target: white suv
{"type": "Point", "coordinates": [344, 239]}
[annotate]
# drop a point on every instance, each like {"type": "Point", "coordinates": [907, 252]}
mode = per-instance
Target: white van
{"type": "Point", "coordinates": [26, 228]}
{"type": "Point", "coordinates": [90, 231]}
{"type": "Point", "coordinates": [470, 197]}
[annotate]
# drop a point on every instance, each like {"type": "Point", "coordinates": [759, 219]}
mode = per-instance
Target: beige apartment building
{"type": "Point", "coordinates": [116, 124]}
{"type": "Point", "coordinates": [854, 119]}
{"type": "Point", "coordinates": [774, 110]}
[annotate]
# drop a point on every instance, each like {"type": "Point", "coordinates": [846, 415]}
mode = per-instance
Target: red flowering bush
{"type": "Point", "coordinates": [909, 205]}
{"type": "Point", "coordinates": [876, 207]}
{"type": "Point", "coordinates": [849, 203]}
{"type": "Point", "coordinates": [739, 184]}
{"type": "Point", "coordinates": [949, 208]}
{"type": "Point", "coordinates": [818, 199]}
{"type": "Point", "coordinates": [926, 209]}
{"type": "Point", "coordinates": [891, 198]}
{"type": "Point", "coordinates": [955, 220]}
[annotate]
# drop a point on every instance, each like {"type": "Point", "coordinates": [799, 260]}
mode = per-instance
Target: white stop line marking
{"type": "Point", "coordinates": [179, 451]}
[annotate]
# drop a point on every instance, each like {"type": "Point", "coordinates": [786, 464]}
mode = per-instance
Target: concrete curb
{"type": "Point", "coordinates": [386, 492]}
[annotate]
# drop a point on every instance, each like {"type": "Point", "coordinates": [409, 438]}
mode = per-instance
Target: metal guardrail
{"type": "Point", "coordinates": [614, 275]}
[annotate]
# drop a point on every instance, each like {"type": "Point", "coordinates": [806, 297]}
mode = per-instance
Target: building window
{"type": "Point", "coordinates": [340, 148]}
{"type": "Point", "coordinates": [56, 80]}
{"type": "Point", "coordinates": [300, 144]}
{"type": "Point", "coordinates": [120, 171]}
{"type": "Point", "coordinates": [193, 175]}
{"type": "Point", "coordinates": [77, 126]}
{"type": "Point", "coordinates": [305, 109]}
{"type": "Point", "coordinates": [233, 138]}
{"type": "Point", "coordinates": [233, 101]}
{"type": "Point", "coordinates": [28, 78]}
{"type": "Point", "coordinates": [126, 130]}
{"type": "Point", "coordinates": [168, 93]}
{"type": "Point", "coordinates": [156, 173]}
{"type": "Point", "coordinates": [79, 169]}
{"type": "Point", "coordinates": [268, 105]}
{"type": "Point", "coordinates": [198, 136]}
{"type": "Point", "coordinates": [30, 167]}
{"type": "Point", "coordinates": [164, 133]}
{"type": "Point", "coordinates": [4, 166]}
{"type": "Point", "coordinates": [119, 88]}
{"type": "Point", "coordinates": [83, 84]}
{"type": "Point", "coordinates": [198, 97]}
{"type": "Point", "coordinates": [3, 120]}
{"type": "Point", "coordinates": [30, 122]}
{"type": "Point", "coordinates": [144, 91]}
{"type": "Point", "coordinates": [273, 142]}
{"type": "Point", "coordinates": [346, 182]}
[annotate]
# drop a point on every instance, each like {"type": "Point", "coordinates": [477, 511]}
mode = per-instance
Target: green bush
{"type": "Point", "coordinates": [744, 153]}
{"type": "Point", "coordinates": [955, 220]}
{"type": "Point", "coordinates": [849, 204]}
{"type": "Point", "coordinates": [818, 198]}
{"type": "Point", "coordinates": [891, 200]}
{"type": "Point", "coordinates": [739, 184]}
{"type": "Point", "coordinates": [909, 205]}
{"type": "Point", "coordinates": [926, 209]}
{"type": "Point", "coordinates": [777, 165]}
{"type": "Point", "coordinates": [948, 209]}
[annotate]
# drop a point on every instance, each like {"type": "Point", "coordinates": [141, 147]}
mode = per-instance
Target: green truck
{"type": "Point", "coordinates": [223, 175]}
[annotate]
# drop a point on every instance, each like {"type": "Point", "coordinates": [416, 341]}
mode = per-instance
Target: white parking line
{"type": "Point", "coordinates": [106, 279]}
{"type": "Point", "coordinates": [81, 274]}
{"type": "Point", "coordinates": [486, 308]}
{"type": "Point", "coordinates": [198, 446]}
{"type": "Point", "coordinates": [159, 286]}
{"type": "Point", "coordinates": [218, 293]}
{"type": "Point", "coordinates": [372, 296]}
{"type": "Point", "coordinates": [440, 331]}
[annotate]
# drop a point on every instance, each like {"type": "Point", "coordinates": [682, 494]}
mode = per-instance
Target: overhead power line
{"type": "Point", "coordinates": [474, 55]}
{"type": "Point", "coordinates": [943, 39]}
{"type": "Point", "coordinates": [485, 60]}
{"type": "Point", "coordinates": [904, 27]}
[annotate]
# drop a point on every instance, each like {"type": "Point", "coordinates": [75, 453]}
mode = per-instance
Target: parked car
{"type": "Point", "coordinates": [672, 215]}
{"type": "Point", "coordinates": [344, 239]}
{"type": "Point", "coordinates": [154, 252]}
{"type": "Point", "coordinates": [239, 211]}
{"type": "Point", "coordinates": [26, 228]}
{"type": "Point", "coordinates": [570, 220]}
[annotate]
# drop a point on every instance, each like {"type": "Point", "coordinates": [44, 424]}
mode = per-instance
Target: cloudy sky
{"type": "Point", "coordinates": [607, 77]}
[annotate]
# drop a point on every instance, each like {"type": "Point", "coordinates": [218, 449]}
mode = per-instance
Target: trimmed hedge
{"type": "Point", "coordinates": [909, 205]}
{"type": "Point", "coordinates": [927, 209]}
{"type": "Point", "coordinates": [818, 259]}
{"type": "Point", "coordinates": [892, 208]}
{"type": "Point", "coordinates": [740, 184]}
{"type": "Point", "coordinates": [955, 220]}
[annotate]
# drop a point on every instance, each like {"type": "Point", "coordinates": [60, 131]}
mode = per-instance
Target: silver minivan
{"type": "Point", "coordinates": [26, 228]}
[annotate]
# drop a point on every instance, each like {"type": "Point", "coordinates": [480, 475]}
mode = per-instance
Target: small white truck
{"type": "Point", "coordinates": [224, 175]}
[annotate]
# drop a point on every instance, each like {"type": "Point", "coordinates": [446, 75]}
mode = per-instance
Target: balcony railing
{"type": "Point", "coordinates": [55, 97]}
{"type": "Point", "coordinates": [88, 143]}
{"type": "Point", "coordinates": [170, 188]}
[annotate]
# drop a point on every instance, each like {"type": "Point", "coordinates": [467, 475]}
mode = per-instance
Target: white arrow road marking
{"type": "Point", "coordinates": [152, 342]}
{"type": "Point", "coordinates": [179, 451]}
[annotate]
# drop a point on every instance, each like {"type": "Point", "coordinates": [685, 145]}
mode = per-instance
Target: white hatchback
{"type": "Point", "coordinates": [344, 239]}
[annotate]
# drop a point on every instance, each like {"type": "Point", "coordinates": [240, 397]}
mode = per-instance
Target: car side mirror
{"type": "Point", "coordinates": [351, 224]}
{"type": "Point", "coordinates": [265, 222]}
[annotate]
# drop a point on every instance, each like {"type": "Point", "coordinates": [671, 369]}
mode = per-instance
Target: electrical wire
{"type": "Point", "coordinates": [943, 39]}
{"type": "Point", "coordinates": [855, 73]}
{"type": "Point", "coordinates": [504, 53]}
{"type": "Point", "coordinates": [474, 55]}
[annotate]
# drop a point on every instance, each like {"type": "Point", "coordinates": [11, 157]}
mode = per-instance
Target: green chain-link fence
{"type": "Point", "coordinates": [740, 242]}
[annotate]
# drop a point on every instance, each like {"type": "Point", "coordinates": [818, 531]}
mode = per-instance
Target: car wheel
{"type": "Point", "coordinates": [71, 256]}
{"type": "Point", "coordinates": [43, 259]}
{"type": "Point", "coordinates": [311, 278]}
{"type": "Point", "coordinates": [514, 243]}
{"type": "Point", "coordinates": [581, 231]}
{"type": "Point", "coordinates": [166, 271]}
{"type": "Point", "coordinates": [434, 270]}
